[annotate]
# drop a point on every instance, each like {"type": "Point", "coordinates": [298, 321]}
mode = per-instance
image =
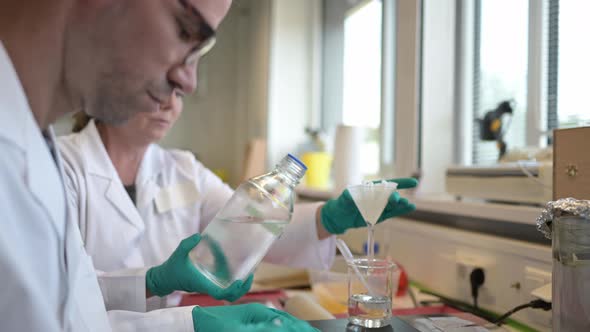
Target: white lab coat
{"type": "Point", "coordinates": [176, 197]}
{"type": "Point", "coordinates": [47, 281]}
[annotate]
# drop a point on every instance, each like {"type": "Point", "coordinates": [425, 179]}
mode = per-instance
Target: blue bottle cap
{"type": "Point", "coordinates": [297, 161]}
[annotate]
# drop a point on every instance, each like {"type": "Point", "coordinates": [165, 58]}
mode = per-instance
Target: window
{"type": "Point", "coordinates": [352, 73]}
{"type": "Point", "coordinates": [500, 70]}
{"type": "Point", "coordinates": [573, 68]}
{"type": "Point", "coordinates": [361, 104]}
{"type": "Point", "coordinates": [530, 52]}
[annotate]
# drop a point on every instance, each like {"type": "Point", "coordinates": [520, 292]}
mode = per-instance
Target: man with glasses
{"type": "Point", "coordinates": [112, 59]}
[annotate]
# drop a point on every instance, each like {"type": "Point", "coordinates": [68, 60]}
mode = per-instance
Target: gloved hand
{"type": "Point", "coordinates": [249, 317]}
{"type": "Point", "coordinates": [179, 274]}
{"type": "Point", "coordinates": [341, 213]}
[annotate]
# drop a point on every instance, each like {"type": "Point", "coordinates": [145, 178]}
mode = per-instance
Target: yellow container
{"type": "Point", "coordinates": [318, 169]}
{"type": "Point", "coordinates": [222, 174]}
{"type": "Point", "coordinates": [330, 287]}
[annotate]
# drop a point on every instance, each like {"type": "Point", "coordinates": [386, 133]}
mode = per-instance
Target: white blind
{"type": "Point", "coordinates": [552, 61]}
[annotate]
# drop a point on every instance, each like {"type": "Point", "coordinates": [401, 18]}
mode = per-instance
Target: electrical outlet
{"type": "Point", "coordinates": [533, 279]}
{"type": "Point", "coordinates": [466, 261]}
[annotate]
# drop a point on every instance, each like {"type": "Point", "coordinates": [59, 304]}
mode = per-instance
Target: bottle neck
{"type": "Point", "coordinates": [286, 178]}
{"type": "Point", "coordinates": [290, 172]}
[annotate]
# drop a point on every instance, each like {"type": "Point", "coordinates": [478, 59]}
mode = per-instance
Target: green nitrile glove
{"type": "Point", "coordinates": [179, 274]}
{"type": "Point", "coordinates": [251, 317]}
{"type": "Point", "coordinates": [341, 213]}
{"type": "Point", "coordinates": [221, 269]}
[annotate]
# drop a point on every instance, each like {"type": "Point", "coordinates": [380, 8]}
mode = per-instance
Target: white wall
{"type": "Point", "coordinates": [407, 81]}
{"type": "Point", "coordinates": [253, 72]}
{"type": "Point", "coordinates": [438, 98]}
{"type": "Point", "coordinates": [291, 81]}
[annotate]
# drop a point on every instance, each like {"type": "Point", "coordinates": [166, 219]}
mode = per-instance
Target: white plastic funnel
{"type": "Point", "coordinates": [371, 198]}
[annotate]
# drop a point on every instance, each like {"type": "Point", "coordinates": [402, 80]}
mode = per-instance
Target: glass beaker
{"type": "Point", "coordinates": [370, 300]}
{"type": "Point", "coordinates": [571, 274]}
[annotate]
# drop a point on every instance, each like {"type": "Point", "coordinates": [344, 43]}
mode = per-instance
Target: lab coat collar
{"type": "Point", "coordinates": [152, 165]}
{"type": "Point", "coordinates": [18, 126]}
{"type": "Point", "coordinates": [99, 164]}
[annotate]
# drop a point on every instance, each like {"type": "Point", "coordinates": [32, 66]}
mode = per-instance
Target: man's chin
{"type": "Point", "coordinates": [114, 120]}
{"type": "Point", "coordinates": [157, 136]}
{"type": "Point", "coordinates": [113, 117]}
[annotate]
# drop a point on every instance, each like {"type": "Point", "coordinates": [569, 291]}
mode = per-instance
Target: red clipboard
{"type": "Point", "coordinates": [271, 298]}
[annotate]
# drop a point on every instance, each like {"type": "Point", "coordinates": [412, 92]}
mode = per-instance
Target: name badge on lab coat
{"type": "Point", "coordinates": [176, 196]}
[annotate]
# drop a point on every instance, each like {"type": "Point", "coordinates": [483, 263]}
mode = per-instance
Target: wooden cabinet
{"type": "Point", "coordinates": [571, 163]}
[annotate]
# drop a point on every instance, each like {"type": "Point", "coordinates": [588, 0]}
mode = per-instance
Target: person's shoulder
{"type": "Point", "coordinates": [183, 159]}
{"type": "Point", "coordinates": [185, 162]}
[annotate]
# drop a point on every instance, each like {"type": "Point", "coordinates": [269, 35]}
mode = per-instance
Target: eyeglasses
{"type": "Point", "coordinates": [206, 35]}
{"type": "Point", "coordinates": [200, 51]}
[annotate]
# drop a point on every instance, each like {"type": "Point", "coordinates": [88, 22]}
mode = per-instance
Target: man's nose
{"type": "Point", "coordinates": [183, 78]}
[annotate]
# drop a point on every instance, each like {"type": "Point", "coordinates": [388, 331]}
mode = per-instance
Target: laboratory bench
{"type": "Point", "coordinates": [405, 314]}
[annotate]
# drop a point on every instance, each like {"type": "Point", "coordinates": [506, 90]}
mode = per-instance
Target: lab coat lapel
{"type": "Point", "coordinates": [100, 168]}
{"type": "Point", "coordinates": [18, 125]}
{"type": "Point", "coordinates": [43, 173]}
{"type": "Point", "coordinates": [119, 199]}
